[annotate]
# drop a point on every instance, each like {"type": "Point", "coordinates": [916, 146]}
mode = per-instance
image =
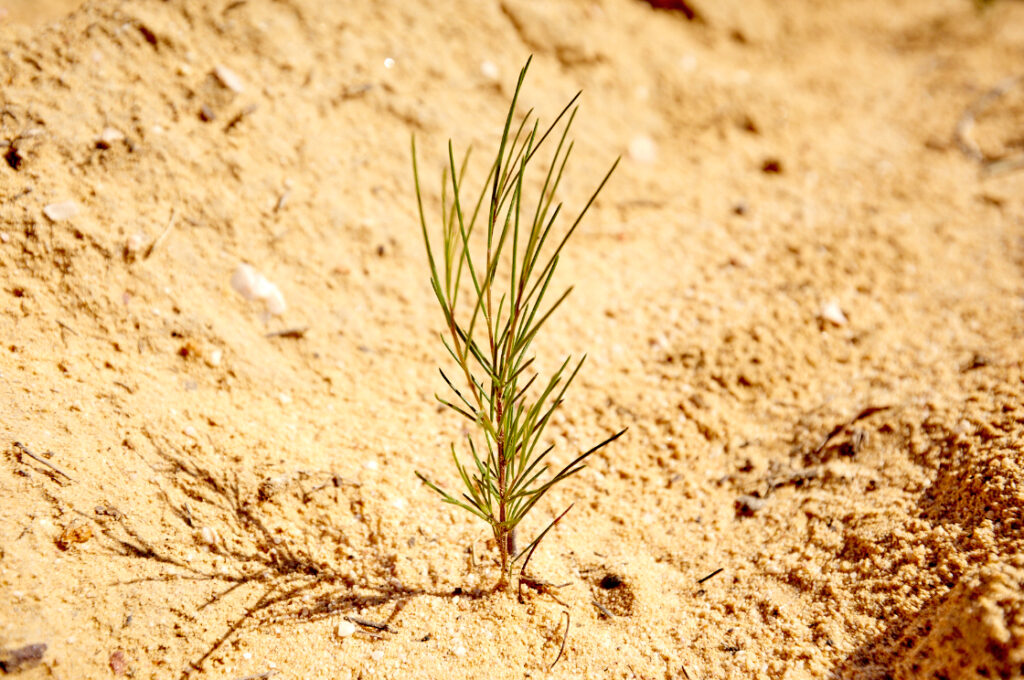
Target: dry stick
{"type": "Point", "coordinates": [601, 608]}
{"type": "Point", "coordinates": [282, 200]}
{"type": "Point", "coordinates": [564, 638]}
{"type": "Point", "coordinates": [710, 576]}
{"type": "Point", "coordinates": [964, 127]}
{"type": "Point", "coordinates": [239, 116]}
{"type": "Point", "coordinates": [159, 239]}
{"type": "Point", "coordinates": [66, 327]}
{"type": "Point", "coordinates": [239, 584]}
{"type": "Point", "coordinates": [261, 676]}
{"type": "Point", "coordinates": [840, 428]}
{"type": "Point", "coordinates": [369, 624]}
{"type": "Point", "coordinates": [24, 449]}
{"type": "Point", "coordinates": [295, 333]}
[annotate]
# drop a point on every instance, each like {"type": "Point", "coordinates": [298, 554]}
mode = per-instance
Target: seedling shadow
{"type": "Point", "coordinates": [295, 582]}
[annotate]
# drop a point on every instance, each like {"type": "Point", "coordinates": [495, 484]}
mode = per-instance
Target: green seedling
{"type": "Point", "coordinates": [493, 307]}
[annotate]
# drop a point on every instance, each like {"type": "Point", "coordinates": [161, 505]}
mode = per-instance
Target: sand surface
{"type": "Point", "coordinates": [802, 291]}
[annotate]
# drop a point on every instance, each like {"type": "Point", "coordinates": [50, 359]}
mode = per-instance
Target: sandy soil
{"type": "Point", "coordinates": [802, 292]}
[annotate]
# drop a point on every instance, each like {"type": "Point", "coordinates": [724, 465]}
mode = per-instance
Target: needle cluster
{"type": "Point", "coordinates": [494, 306]}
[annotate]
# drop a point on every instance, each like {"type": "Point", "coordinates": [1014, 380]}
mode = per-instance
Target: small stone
{"type": "Point", "coordinates": [459, 651]}
{"type": "Point", "coordinates": [284, 398]}
{"type": "Point", "coordinates": [489, 70]}
{"type": "Point", "coordinates": [119, 662]}
{"type": "Point", "coordinates": [275, 301]}
{"type": "Point", "coordinates": [135, 243]}
{"type": "Point", "coordinates": [748, 505]}
{"type": "Point", "coordinates": [190, 432]}
{"type": "Point", "coordinates": [109, 137]}
{"type": "Point", "coordinates": [252, 285]}
{"type": "Point", "coordinates": [209, 536]}
{"type": "Point", "coordinates": [21, 658]}
{"type": "Point", "coordinates": [345, 629]}
{"type": "Point", "coordinates": [643, 149]}
{"type": "Point", "coordinates": [229, 79]}
{"type": "Point", "coordinates": [833, 313]}
{"type": "Point", "coordinates": [58, 212]}
{"type": "Point", "coordinates": [245, 281]}
{"type": "Point", "coordinates": [215, 357]}
{"type": "Point", "coordinates": [4, 237]}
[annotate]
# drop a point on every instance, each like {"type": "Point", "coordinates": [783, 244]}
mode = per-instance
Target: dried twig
{"type": "Point", "coordinates": [840, 428]}
{"type": "Point", "coordinates": [66, 327]}
{"type": "Point", "coordinates": [24, 449]}
{"type": "Point", "coordinates": [369, 624]}
{"type": "Point", "coordinates": [965, 126]}
{"type": "Point", "coordinates": [159, 239]}
{"type": "Point", "coordinates": [710, 576]}
{"type": "Point", "coordinates": [601, 608]}
{"type": "Point", "coordinates": [239, 116]}
{"type": "Point", "coordinates": [295, 333]}
{"type": "Point", "coordinates": [261, 676]}
{"type": "Point", "coordinates": [282, 200]}
{"type": "Point", "coordinates": [564, 638]}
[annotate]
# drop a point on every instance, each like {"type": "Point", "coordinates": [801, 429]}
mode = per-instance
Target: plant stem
{"type": "Point", "coordinates": [491, 345]}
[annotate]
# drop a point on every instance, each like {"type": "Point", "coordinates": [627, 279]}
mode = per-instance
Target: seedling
{"type": "Point", "coordinates": [493, 309]}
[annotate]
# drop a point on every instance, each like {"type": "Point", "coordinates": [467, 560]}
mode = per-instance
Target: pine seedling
{"type": "Point", "coordinates": [493, 309]}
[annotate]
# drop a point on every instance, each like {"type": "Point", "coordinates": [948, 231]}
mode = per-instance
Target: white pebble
{"type": "Point", "coordinates": [64, 210]}
{"type": "Point", "coordinates": [345, 629]}
{"type": "Point", "coordinates": [459, 651]}
{"type": "Point", "coordinates": [284, 398]}
{"type": "Point", "coordinates": [833, 313]}
{"type": "Point", "coordinates": [209, 536]}
{"type": "Point", "coordinates": [229, 79]}
{"type": "Point", "coordinates": [489, 70]}
{"type": "Point", "coordinates": [389, 63]}
{"type": "Point", "coordinates": [110, 135]}
{"type": "Point", "coordinates": [252, 285]}
{"type": "Point", "coordinates": [215, 357]}
{"type": "Point", "coordinates": [370, 465]}
{"type": "Point", "coordinates": [4, 237]}
{"type": "Point", "coordinates": [190, 432]}
{"type": "Point", "coordinates": [275, 301]}
{"type": "Point", "coordinates": [642, 149]}
{"type": "Point", "coordinates": [244, 281]}
{"type": "Point", "coordinates": [135, 242]}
